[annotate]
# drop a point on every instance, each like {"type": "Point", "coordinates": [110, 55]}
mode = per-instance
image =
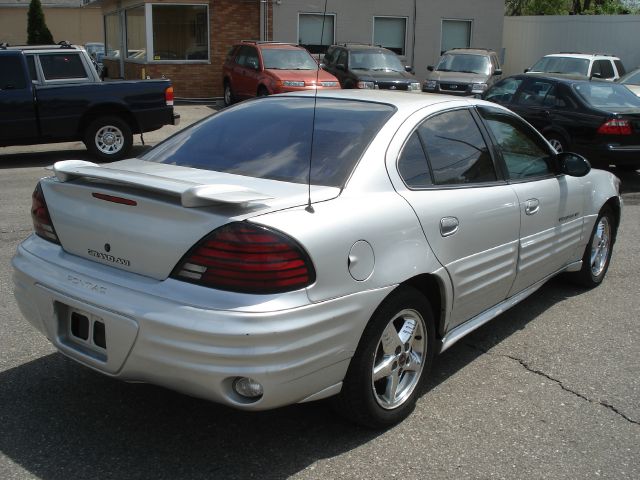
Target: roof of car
{"type": "Point", "coordinates": [470, 51]}
{"type": "Point", "coordinates": [562, 77]}
{"type": "Point", "coordinates": [361, 46]}
{"type": "Point", "coordinates": [582, 55]}
{"type": "Point", "coordinates": [46, 48]}
{"type": "Point", "coordinates": [274, 45]}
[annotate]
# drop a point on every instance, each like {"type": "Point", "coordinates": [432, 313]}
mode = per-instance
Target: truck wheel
{"type": "Point", "coordinates": [391, 362]}
{"type": "Point", "coordinates": [108, 138]}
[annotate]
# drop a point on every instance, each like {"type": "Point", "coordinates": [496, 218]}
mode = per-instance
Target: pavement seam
{"type": "Point", "coordinates": [527, 367]}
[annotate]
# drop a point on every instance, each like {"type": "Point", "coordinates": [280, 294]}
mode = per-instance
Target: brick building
{"type": "Point", "coordinates": [184, 40]}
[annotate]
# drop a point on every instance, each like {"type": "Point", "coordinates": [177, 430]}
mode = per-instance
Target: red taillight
{"type": "Point", "coordinates": [615, 127]}
{"type": "Point", "coordinates": [168, 96]}
{"type": "Point", "coordinates": [40, 215]}
{"type": "Point", "coordinates": [246, 258]}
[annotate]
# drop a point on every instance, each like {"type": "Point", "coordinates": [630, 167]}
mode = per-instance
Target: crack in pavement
{"type": "Point", "coordinates": [526, 366]}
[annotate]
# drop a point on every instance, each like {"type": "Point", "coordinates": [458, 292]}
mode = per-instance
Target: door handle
{"type": "Point", "coordinates": [532, 206]}
{"type": "Point", "coordinates": [448, 226]}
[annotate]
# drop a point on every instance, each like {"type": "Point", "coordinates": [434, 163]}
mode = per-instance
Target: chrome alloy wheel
{"type": "Point", "coordinates": [399, 359]}
{"type": "Point", "coordinates": [600, 245]}
{"type": "Point", "coordinates": [109, 139]}
{"type": "Point", "coordinates": [556, 144]}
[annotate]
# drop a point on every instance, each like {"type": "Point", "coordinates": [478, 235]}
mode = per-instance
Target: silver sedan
{"type": "Point", "coordinates": [294, 248]}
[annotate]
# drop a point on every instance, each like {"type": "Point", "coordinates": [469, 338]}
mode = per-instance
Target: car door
{"type": "Point", "coordinates": [551, 206]}
{"type": "Point", "coordinates": [469, 215]}
{"type": "Point", "coordinates": [244, 79]}
{"type": "Point", "coordinates": [530, 104]}
{"type": "Point", "coordinates": [18, 120]}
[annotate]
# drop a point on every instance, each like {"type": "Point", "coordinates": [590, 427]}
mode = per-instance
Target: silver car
{"type": "Point", "coordinates": [290, 249]}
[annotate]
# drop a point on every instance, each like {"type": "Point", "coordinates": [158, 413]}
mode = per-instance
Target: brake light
{"type": "Point", "coordinates": [615, 127]}
{"type": "Point", "coordinates": [168, 96]}
{"type": "Point", "coordinates": [245, 258]}
{"type": "Point", "coordinates": [40, 215]}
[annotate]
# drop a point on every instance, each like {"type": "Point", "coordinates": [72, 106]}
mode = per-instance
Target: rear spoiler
{"type": "Point", "coordinates": [191, 194]}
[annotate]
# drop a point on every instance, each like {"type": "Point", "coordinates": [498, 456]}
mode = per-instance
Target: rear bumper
{"type": "Point", "coordinates": [297, 354]}
{"type": "Point", "coordinates": [614, 154]}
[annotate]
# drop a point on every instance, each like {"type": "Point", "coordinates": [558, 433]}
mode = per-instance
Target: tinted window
{"type": "Point", "coordinates": [456, 150]}
{"type": "Point", "coordinates": [270, 138]}
{"type": "Point", "coordinates": [31, 63]}
{"type": "Point", "coordinates": [602, 68]}
{"type": "Point", "coordinates": [455, 62]}
{"type": "Point", "coordinates": [523, 151]}
{"type": "Point", "coordinates": [578, 66]}
{"type": "Point", "coordinates": [375, 60]}
{"type": "Point", "coordinates": [606, 95]}
{"type": "Point", "coordinates": [620, 67]}
{"type": "Point", "coordinates": [503, 91]}
{"type": "Point", "coordinates": [534, 93]}
{"type": "Point", "coordinates": [58, 66]}
{"type": "Point", "coordinates": [412, 164]}
{"type": "Point", "coordinates": [12, 75]}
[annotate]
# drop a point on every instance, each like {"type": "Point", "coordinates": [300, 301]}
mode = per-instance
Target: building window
{"type": "Point", "coordinates": [455, 34]}
{"type": "Point", "coordinates": [311, 35]}
{"type": "Point", "coordinates": [136, 33]}
{"type": "Point", "coordinates": [112, 34]}
{"type": "Point", "coordinates": [391, 33]}
{"type": "Point", "coordinates": [180, 32]}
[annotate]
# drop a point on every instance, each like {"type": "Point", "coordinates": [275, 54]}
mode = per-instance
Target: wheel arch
{"type": "Point", "coordinates": [616, 207]}
{"type": "Point", "coordinates": [433, 289]}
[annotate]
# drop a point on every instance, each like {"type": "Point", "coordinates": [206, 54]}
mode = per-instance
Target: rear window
{"type": "Point", "coordinates": [271, 138]}
{"type": "Point", "coordinates": [59, 66]}
{"type": "Point", "coordinates": [607, 95]}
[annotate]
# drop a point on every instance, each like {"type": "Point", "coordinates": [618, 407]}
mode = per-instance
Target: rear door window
{"type": "Point", "coordinates": [456, 149]}
{"type": "Point", "coordinates": [534, 93]}
{"type": "Point", "coordinates": [603, 68]}
{"type": "Point", "coordinates": [619, 67]}
{"type": "Point", "coordinates": [412, 164]}
{"type": "Point", "coordinates": [62, 66]}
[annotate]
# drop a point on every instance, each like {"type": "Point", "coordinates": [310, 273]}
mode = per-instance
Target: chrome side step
{"type": "Point", "coordinates": [476, 322]}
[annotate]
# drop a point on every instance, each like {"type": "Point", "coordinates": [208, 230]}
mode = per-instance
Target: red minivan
{"type": "Point", "coordinates": [256, 68]}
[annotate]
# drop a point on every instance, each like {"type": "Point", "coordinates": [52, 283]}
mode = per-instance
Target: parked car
{"type": "Point", "coordinates": [600, 120]}
{"type": "Point", "coordinates": [263, 276]}
{"type": "Point", "coordinates": [463, 71]}
{"type": "Point", "coordinates": [369, 67]}
{"type": "Point", "coordinates": [257, 68]}
{"type": "Point", "coordinates": [52, 94]}
{"type": "Point", "coordinates": [632, 81]}
{"type": "Point", "coordinates": [604, 66]}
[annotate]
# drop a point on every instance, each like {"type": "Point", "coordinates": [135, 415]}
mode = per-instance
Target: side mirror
{"type": "Point", "coordinates": [498, 72]}
{"type": "Point", "coordinates": [408, 68]}
{"type": "Point", "coordinates": [341, 66]}
{"type": "Point", "coordinates": [526, 70]}
{"type": "Point", "coordinates": [322, 65]}
{"type": "Point", "coordinates": [573, 164]}
{"type": "Point", "coordinates": [430, 68]}
{"type": "Point", "coordinates": [596, 75]}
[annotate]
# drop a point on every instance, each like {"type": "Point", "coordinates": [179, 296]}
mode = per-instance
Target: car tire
{"type": "Point", "coordinates": [392, 360]}
{"type": "Point", "coordinates": [557, 142]}
{"type": "Point", "coordinates": [228, 97]}
{"type": "Point", "coordinates": [108, 138]}
{"type": "Point", "coordinates": [597, 255]}
{"type": "Point", "coordinates": [262, 91]}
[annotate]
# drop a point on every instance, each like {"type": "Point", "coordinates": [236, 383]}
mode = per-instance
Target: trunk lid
{"type": "Point", "coordinates": [142, 217]}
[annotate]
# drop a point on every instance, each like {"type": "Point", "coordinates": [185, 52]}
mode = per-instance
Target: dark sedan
{"type": "Point", "coordinates": [599, 120]}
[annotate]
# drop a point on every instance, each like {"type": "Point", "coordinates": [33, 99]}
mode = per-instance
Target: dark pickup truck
{"type": "Point", "coordinates": [54, 94]}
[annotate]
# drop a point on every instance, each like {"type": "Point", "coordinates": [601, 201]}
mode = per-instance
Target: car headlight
{"type": "Point", "coordinates": [478, 87]}
{"type": "Point", "coordinates": [414, 86]}
{"type": "Point", "coordinates": [293, 83]}
{"type": "Point", "coordinates": [329, 84]}
{"type": "Point", "coordinates": [366, 85]}
{"type": "Point", "coordinates": [430, 85]}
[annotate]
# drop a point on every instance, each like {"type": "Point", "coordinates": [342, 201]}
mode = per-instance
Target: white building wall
{"type": "Point", "coordinates": [354, 22]}
{"type": "Point", "coordinates": [526, 39]}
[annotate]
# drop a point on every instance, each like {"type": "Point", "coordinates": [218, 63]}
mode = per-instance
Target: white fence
{"type": "Point", "coordinates": [526, 39]}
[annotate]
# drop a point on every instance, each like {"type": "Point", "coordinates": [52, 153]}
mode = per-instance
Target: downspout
{"type": "Point", "coordinates": [413, 46]}
{"type": "Point", "coordinates": [262, 19]}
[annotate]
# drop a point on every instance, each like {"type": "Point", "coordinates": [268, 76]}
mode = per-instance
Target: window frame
{"type": "Point", "coordinates": [470, 21]}
{"type": "Point", "coordinates": [319, 14]}
{"type": "Point", "coordinates": [496, 160]}
{"type": "Point", "coordinates": [404, 40]}
{"type": "Point", "coordinates": [540, 140]}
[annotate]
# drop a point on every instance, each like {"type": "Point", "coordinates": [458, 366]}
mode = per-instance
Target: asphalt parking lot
{"type": "Point", "coordinates": [549, 389]}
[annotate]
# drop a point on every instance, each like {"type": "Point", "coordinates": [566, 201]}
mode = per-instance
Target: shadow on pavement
{"type": "Point", "coordinates": [62, 421]}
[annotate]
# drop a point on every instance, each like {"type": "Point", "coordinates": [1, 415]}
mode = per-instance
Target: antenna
{"type": "Point", "coordinates": [309, 207]}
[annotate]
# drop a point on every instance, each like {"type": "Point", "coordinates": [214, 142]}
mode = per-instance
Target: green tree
{"type": "Point", "coordinates": [37, 31]}
{"type": "Point", "coordinates": [570, 7]}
